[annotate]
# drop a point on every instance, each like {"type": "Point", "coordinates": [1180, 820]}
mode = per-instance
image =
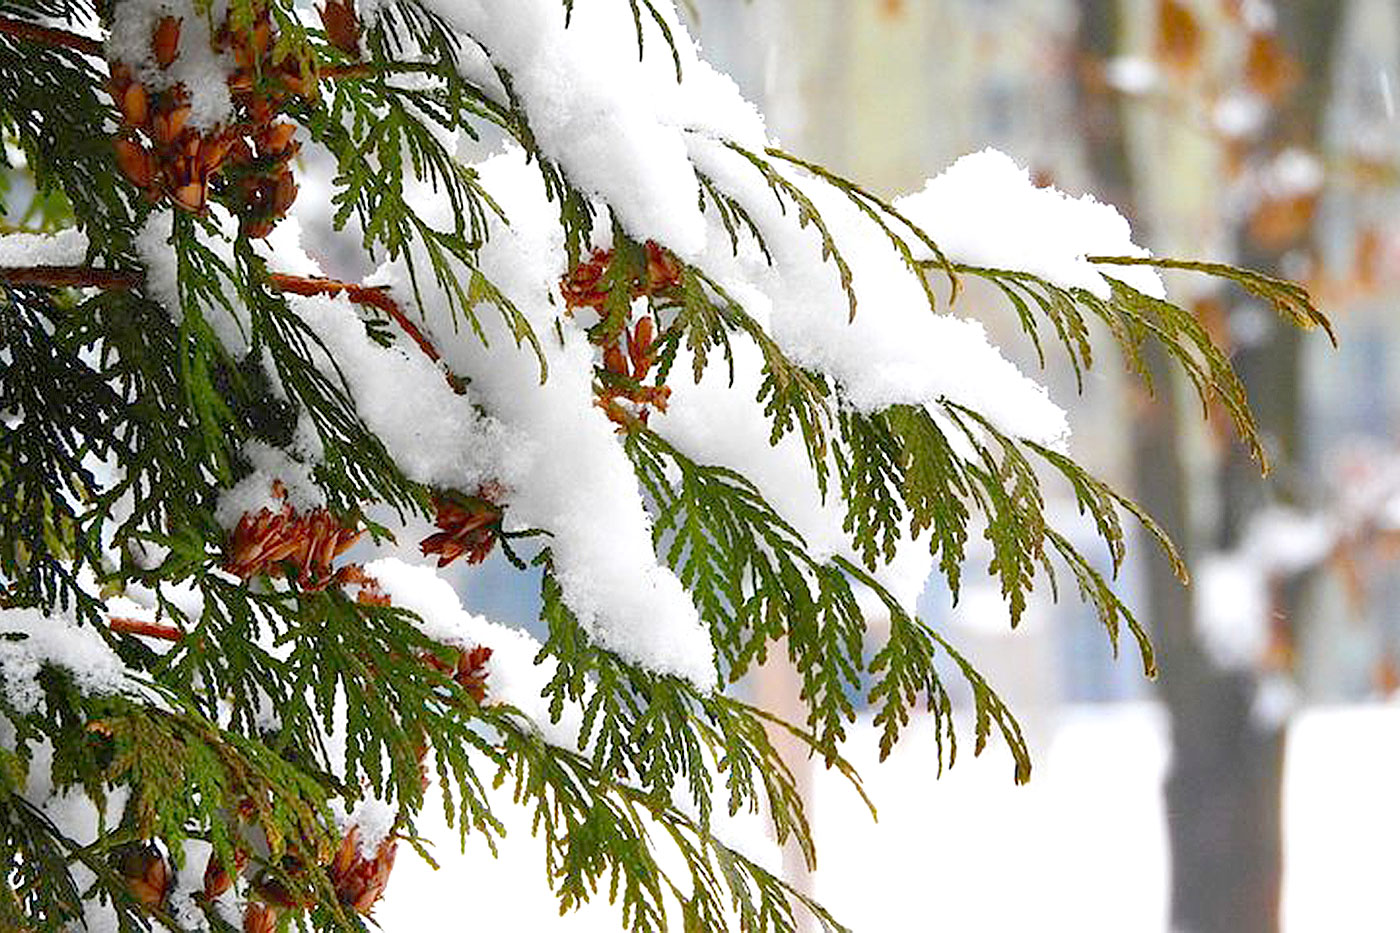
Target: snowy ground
{"type": "Point", "coordinates": [1082, 848]}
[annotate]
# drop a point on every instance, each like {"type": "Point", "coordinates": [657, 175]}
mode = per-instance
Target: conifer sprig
{"type": "Point", "coordinates": [125, 419]}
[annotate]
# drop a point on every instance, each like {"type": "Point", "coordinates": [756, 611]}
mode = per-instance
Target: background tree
{"type": "Point", "coordinates": [1224, 791]}
{"type": "Point", "coordinates": [710, 394]}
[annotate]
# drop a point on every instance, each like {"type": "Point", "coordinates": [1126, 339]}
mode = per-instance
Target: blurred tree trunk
{"type": "Point", "coordinates": [1224, 788]}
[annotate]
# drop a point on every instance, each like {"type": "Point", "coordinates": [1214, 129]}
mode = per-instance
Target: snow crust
{"type": "Point", "coordinates": [985, 210]}
{"type": "Point", "coordinates": [64, 248]}
{"type": "Point", "coordinates": [58, 641]}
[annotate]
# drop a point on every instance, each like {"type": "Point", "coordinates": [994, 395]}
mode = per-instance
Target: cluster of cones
{"type": "Point", "coordinates": [470, 526]}
{"type": "Point", "coordinates": [247, 162]}
{"type": "Point", "coordinates": [629, 353]}
{"type": "Point", "coordinates": [358, 879]}
{"type": "Point", "coordinates": [286, 542]}
{"type": "Point", "coordinates": [268, 543]}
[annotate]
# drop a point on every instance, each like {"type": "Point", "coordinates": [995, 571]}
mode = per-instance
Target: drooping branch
{"type": "Point", "coordinates": [48, 35]}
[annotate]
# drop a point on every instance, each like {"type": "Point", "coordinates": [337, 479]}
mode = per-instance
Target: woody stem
{"type": "Point", "coordinates": [352, 70]}
{"type": "Point", "coordinates": [126, 626]}
{"type": "Point", "coordinates": [47, 35]}
{"type": "Point", "coordinates": [119, 279]}
{"type": "Point", "coordinates": [69, 277]}
{"type": "Point", "coordinates": [360, 294]}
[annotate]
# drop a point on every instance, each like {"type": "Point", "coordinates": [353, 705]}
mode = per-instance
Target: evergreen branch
{"type": "Point", "coordinates": [48, 35]}
{"type": "Point", "coordinates": [1288, 298]}
{"type": "Point", "coordinates": [877, 209]}
{"type": "Point", "coordinates": [1133, 317]}
{"type": "Point", "coordinates": [86, 277]}
{"type": "Point", "coordinates": [807, 213]}
{"type": "Point", "coordinates": [703, 315]}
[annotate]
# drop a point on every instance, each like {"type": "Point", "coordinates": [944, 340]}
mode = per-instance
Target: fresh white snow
{"type": "Point", "coordinates": [1083, 847]}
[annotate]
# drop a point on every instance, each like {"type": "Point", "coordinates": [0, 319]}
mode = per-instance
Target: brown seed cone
{"type": "Point", "coordinates": [663, 271]}
{"type": "Point", "coordinates": [276, 138]}
{"type": "Point", "coordinates": [217, 878]}
{"type": "Point", "coordinates": [639, 347]}
{"type": "Point", "coordinates": [342, 26]}
{"type": "Point", "coordinates": [135, 162]}
{"type": "Point", "coordinates": [263, 542]}
{"type": "Point", "coordinates": [167, 126]}
{"type": "Point", "coordinates": [147, 874]}
{"type": "Point", "coordinates": [192, 197]}
{"type": "Point", "coordinates": [260, 918]}
{"type": "Point", "coordinates": [583, 286]}
{"type": "Point", "coordinates": [471, 671]}
{"type": "Point", "coordinates": [165, 41]}
{"type": "Point", "coordinates": [468, 669]}
{"type": "Point", "coordinates": [614, 361]}
{"type": "Point", "coordinates": [134, 104]}
{"type": "Point", "coordinates": [359, 881]}
{"type": "Point", "coordinates": [468, 530]}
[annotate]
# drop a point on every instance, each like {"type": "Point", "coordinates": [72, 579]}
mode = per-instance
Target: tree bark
{"type": "Point", "coordinates": [1224, 789]}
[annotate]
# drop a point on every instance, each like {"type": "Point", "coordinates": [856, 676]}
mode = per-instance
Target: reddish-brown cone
{"type": "Point", "coordinates": [217, 878]}
{"type": "Point", "coordinates": [342, 26]}
{"type": "Point", "coordinates": [147, 874]}
{"type": "Point", "coordinates": [469, 527]}
{"type": "Point", "coordinates": [260, 918]}
{"type": "Point", "coordinates": [165, 41]}
{"type": "Point", "coordinates": [268, 542]}
{"type": "Point", "coordinates": [468, 669]}
{"type": "Point", "coordinates": [360, 881]}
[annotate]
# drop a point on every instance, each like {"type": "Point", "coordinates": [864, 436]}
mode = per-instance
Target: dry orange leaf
{"type": "Point", "coordinates": [1179, 37]}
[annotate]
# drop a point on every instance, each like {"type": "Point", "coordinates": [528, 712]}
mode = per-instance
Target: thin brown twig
{"type": "Point", "coordinates": [360, 294]}
{"type": "Point", "coordinates": [48, 35]}
{"type": "Point", "coordinates": [70, 277]}
{"type": "Point", "coordinates": [88, 277]}
{"type": "Point", "coordinates": [351, 70]}
{"type": "Point", "coordinates": [124, 625]}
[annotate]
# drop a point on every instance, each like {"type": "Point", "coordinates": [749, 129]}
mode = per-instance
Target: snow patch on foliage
{"type": "Point", "coordinates": [254, 492]}
{"type": "Point", "coordinates": [229, 323]}
{"type": "Point", "coordinates": [572, 477]}
{"type": "Point", "coordinates": [26, 250]}
{"type": "Point", "coordinates": [616, 122]}
{"type": "Point", "coordinates": [896, 350]}
{"type": "Point", "coordinates": [984, 210]}
{"type": "Point", "coordinates": [60, 642]}
{"type": "Point", "coordinates": [433, 433]}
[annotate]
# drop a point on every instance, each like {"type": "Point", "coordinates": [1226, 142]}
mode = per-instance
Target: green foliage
{"type": "Point", "coordinates": [128, 421]}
